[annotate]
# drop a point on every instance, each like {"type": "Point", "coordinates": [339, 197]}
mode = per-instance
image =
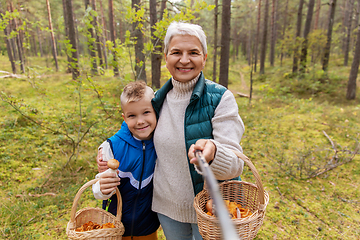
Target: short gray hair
{"type": "Point", "coordinates": [182, 28]}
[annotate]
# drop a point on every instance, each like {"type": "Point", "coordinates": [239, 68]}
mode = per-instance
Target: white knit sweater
{"type": "Point", "coordinates": [173, 190]}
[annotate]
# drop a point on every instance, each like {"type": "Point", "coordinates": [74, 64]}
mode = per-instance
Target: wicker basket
{"type": "Point", "coordinates": [96, 215]}
{"type": "Point", "coordinates": [249, 195]}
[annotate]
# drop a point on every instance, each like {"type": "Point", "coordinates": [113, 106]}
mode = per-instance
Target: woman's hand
{"type": "Point", "coordinates": [108, 182]}
{"type": "Point", "coordinates": [102, 165]}
{"type": "Point", "coordinates": [207, 147]}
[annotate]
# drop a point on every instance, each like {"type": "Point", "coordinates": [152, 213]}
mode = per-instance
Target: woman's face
{"type": "Point", "coordinates": [185, 58]}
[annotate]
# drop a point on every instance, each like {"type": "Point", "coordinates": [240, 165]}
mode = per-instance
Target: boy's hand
{"type": "Point", "coordinates": [207, 147]}
{"type": "Point", "coordinates": [102, 165]}
{"type": "Point", "coordinates": [109, 182]}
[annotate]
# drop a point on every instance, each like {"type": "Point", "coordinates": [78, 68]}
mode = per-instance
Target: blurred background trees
{"type": "Point", "coordinates": [104, 34]}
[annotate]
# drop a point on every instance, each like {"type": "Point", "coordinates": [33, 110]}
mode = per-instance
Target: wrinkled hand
{"type": "Point", "coordinates": [109, 182]}
{"type": "Point", "coordinates": [102, 165]}
{"type": "Point", "coordinates": [207, 147]}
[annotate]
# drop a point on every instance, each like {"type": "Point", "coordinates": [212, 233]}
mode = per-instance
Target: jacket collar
{"type": "Point", "coordinates": [199, 88]}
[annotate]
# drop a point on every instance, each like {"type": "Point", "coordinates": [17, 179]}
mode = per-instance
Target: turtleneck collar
{"type": "Point", "coordinates": [182, 89]}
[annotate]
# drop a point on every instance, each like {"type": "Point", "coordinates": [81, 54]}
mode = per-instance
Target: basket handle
{"type": "Point", "coordinates": [257, 178]}
{"type": "Point", "coordinates": [81, 190]}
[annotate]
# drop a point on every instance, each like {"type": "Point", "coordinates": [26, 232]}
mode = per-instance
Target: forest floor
{"type": "Point", "coordinates": [296, 128]}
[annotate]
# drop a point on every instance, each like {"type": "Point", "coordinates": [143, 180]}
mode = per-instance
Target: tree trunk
{"type": "Point", "coordinates": [156, 53]}
{"type": "Point", "coordinates": [257, 35]}
{"type": "Point", "coordinates": [297, 36]}
{"type": "Point", "coordinates": [236, 41]}
{"type": "Point", "coordinates": [329, 35]}
{"type": "Point", "coordinates": [250, 39]}
{"type": "Point", "coordinates": [225, 43]}
{"type": "Point", "coordinates": [316, 24]}
{"type": "Point", "coordinates": [98, 41]}
{"type": "Point", "coordinates": [162, 8]}
{"type": "Point", "coordinates": [52, 36]}
{"type": "Point", "coordinates": [21, 37]}
{"type": "Point", "coordinates": [264, 40]}
{"type": "Point", "coordinates": [306, 33]}
{"type": "Point", "coordinates": [18, 41]}
{"type": "Point", "coordinates": [348, 32]}
{"type": "Point", "coordinates": [355, 26]}
{"type": "Point", "coordinates": [317, 14]}
{"type": "Point", "coordinates": [273, 33]}
{"type": "Point", "coordinates": [351, 87]}
{"type": "Point", "coordinates": [112, 37]}
{"type": "Point", "coordinates": [91, 42]}
{"type": "Point", "coordinates": [356, 20]}
{"type": "Point", "coordinates": [103, 38]}
{"type": "Point", "coordinates": [345, 12]}
{"type": "Point", "coordinates": [216, 13]}
{"type": "Point", "coordinates": [8, 46]}
{"type": "Point", "coordinates": [74, 61]}
{"type": "Point", "coordinates": [284, 28]}
{"type": "Point", "coordinates": [66, 26]}
{"type": "Point", "coordinates": [13, 43]}
{"type": "Point", "coordinates": [140, 68]}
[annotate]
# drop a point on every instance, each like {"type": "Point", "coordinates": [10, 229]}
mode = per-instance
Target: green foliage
{"type": "Point", "coordinates": [287, 43]}
{"type": "Point", "coordinates": [316, 43]}
{"type": "Point", "coordinates": [313, 82]}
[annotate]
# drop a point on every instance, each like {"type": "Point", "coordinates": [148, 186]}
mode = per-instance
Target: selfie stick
{"type": "Point", "coordinates": [227, 227]}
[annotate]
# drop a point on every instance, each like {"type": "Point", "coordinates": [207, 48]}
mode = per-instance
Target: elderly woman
{"type": "Point", "coordinates": [194, 113]}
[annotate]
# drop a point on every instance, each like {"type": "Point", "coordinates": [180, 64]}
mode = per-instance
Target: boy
{"type": "Point", "coordinates": [133, 147]}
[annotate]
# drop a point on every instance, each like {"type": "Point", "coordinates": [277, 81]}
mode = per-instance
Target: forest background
{"type": "Point", "coordinates": [291, 64]}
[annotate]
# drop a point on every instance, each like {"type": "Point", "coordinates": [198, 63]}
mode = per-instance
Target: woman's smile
{"type": "Point", "coordinates": [185, 69]}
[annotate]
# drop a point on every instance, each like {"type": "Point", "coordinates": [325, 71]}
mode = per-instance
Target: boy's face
{"type": "Point", "coordinates": [140, 118]}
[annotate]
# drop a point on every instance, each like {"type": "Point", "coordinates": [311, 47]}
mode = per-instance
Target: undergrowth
{"type": "Point", "coordinates": [285, 122]}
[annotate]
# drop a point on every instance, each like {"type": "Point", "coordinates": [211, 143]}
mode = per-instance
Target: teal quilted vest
{"type": "Point", "coordinates": [205, 98]}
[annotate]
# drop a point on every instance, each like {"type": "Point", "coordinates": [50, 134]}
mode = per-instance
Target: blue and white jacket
{"type": "Point", "coordinates": [137, 163]}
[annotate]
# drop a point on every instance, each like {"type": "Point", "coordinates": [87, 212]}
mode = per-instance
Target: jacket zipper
{"type": "Point", "coordinates": [139, 190]}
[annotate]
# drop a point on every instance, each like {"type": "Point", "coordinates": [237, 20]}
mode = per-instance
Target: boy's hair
{"type": "Point", "coordinates": [182, 28]}
{"type": "Point", "coordinates": [135, 91]}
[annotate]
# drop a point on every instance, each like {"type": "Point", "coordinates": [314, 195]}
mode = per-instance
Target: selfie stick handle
{"type": "Point", "coordinates": [227, 227]}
